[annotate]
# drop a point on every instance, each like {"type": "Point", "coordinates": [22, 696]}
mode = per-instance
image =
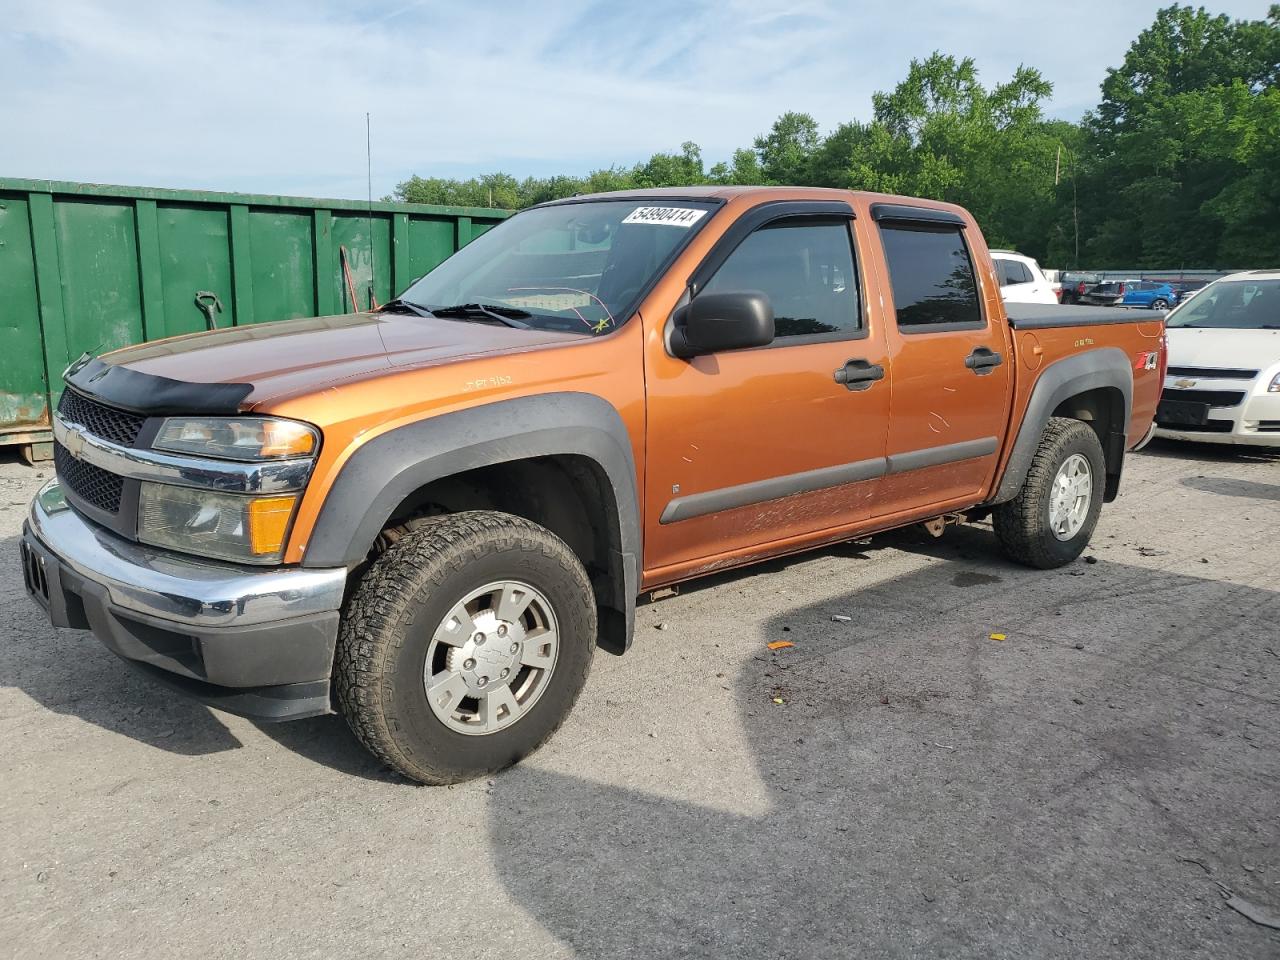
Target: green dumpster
{"type": "Point", "coordinates": [91, 268]}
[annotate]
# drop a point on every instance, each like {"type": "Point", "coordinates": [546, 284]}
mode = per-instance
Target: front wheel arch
{"type": "Point", "coordinates": [386, 472]}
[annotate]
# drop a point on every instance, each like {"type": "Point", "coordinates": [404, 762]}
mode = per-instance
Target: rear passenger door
{"type": "Point", "coordinates": [952, 370]}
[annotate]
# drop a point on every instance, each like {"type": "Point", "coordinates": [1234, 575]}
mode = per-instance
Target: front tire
{"type": "Point", "coordinates": [1049, 523]}
{"type": "Point", "coordinates": [465, 646]}
{"type": "Point", "coordinates": [1159, 304]}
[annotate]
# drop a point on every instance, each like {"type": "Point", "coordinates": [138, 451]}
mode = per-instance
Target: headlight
{"type": "Point", "coordinates": [238, 438]}
{"type": "Point", "coordinates": [224, 525]}
{"type": "Point", "coordinates": [1274, 386]}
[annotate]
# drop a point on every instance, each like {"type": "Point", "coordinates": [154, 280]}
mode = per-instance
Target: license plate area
{"type": "Point", "coordinates": [1182, 413]}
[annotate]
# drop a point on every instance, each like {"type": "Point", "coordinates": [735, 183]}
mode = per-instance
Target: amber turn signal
{"type": "Point", "coordinates": [269, 522]}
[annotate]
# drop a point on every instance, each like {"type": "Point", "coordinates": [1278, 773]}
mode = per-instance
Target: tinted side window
{"type": "Point", "coordinates": [1014, 272]}
{"type": "Point", "coordinates": [806, 269]}
{"type": "Point", "coordinates": [931, 275]}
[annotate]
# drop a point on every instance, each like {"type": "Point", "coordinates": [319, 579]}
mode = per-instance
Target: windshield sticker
{"type": "Point", "coordinates": [666, 216]}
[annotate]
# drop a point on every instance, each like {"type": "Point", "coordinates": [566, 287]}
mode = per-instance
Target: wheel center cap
{"type": "Point", "coordinates": [492, 654]}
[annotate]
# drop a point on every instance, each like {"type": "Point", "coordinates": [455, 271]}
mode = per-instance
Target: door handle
{"type": "Point", "coordinates": [983, 360]}
{"type": "Point", "coordinates": [858, 374]}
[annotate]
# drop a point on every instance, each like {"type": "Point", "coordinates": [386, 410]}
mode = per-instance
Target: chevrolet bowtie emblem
{"type": "Point", "coordinates": [1184, 384]}
{"type": "Point", "coordinates": [73, 440]}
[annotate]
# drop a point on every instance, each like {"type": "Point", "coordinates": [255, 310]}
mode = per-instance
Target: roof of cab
{"type": "Point", "coordinates": [716, 192]}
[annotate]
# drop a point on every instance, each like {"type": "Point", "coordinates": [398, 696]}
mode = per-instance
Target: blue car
{"type": "Point", "coordinates": [1149, 294]}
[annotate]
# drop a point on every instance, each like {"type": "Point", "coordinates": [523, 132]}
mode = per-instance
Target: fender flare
{"type": "Point", "coordinates": [386, 470]}
{"type": "Point", "coordinates": [1059, 381]}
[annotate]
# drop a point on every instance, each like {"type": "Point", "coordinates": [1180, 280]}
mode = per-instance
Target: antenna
{"type": "Point", "coordinates": [368, 154]}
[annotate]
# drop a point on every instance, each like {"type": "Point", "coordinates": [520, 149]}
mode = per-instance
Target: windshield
{"type": "Point", "coordinates": [574, 266]}
{"type": "Point", "coordinates": [1231, 305]}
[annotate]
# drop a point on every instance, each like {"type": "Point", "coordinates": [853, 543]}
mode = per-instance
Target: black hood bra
{"type": "Point", "coordinates": [147, 393]}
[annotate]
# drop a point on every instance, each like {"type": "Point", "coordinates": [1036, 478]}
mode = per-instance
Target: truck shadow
{"type": "Point", "coordinates": [329, 742]}
{"type": "Point", "coordinates": [1234, 487]}
{"type": "Point", "coordinates": [71, 673]}
{"type": "Point", "coordinates": [922, 789]}
{"type": "Point", "coordinates": [1208, 452]}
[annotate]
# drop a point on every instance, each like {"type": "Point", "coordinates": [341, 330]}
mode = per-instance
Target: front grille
{"type": "Point", "coordinates": [95, 486]}
{"type": "Point", "coordinates": [118, 426]}
{"type": "Point", "coordinates": [1214, 398]}
{"type": "Point", "coordinates": [1213, 426]}
{"type": "Point", "coordinates": [1269, 426]}
{"type": "Point", "coordinates": [1213, 373]}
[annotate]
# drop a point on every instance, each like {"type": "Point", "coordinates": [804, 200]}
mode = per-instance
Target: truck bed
{"type": "Point", "coordinates": [1041, 316]}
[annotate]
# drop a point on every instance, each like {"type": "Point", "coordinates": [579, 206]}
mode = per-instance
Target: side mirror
{"type": "Point", "coordinates": [722, 321]}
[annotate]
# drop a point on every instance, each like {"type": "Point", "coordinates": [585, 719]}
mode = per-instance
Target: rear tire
{"type": "Point", "coordinates": [1159, 304]}
{"type": "Point", "coordinates": [465, 646]}
{"type": "Point", "coordinates": [1049, 523]}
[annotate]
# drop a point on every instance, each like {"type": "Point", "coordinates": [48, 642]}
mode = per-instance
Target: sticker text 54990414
{"type": "Point", "coordinates": [666, 216]}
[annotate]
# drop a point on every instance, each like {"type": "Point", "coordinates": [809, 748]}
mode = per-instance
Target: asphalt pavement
{"type": "Point", "coordinates": [1103, 782]}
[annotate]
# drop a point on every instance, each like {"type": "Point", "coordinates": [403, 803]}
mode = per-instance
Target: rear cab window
{"type": "Point", "coordinates": [931, 274]}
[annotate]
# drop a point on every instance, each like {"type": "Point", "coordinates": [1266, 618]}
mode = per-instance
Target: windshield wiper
{"type": "Point", "coordinates": [511, 316]}
{"type": "Point", "coordinates": [400, 305]}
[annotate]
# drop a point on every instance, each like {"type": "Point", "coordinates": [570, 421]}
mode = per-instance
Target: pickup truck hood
{"type": "Point", "coordinates": [1238, 349]}
{"type": "Point", "coordinates": [292, 356]}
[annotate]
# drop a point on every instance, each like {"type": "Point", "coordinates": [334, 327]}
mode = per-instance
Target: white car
{"type": "Point", "coordinates": [1022, 280]}
{"type": "Point", "coordinates": [1223, 382]}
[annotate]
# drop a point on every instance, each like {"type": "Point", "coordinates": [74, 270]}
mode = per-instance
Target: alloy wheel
{"type": "Point", "coordinates": [1070, 497]}
{"type": "Point", "coordinates": [491, 657]}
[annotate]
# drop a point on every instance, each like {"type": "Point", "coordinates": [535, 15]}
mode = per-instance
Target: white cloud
{"type": "Point", "coordinates": [229, 94]}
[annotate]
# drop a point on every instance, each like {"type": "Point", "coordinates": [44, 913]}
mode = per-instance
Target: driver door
{"type": "Point", "coordinates": [757, 451]}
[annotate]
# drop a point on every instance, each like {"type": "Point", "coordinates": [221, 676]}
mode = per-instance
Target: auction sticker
{"type": "Point", "coordinates": [666, 216]}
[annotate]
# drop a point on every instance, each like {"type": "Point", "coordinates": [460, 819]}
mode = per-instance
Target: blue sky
{"type": "Point", "coordinates": [270, 96]}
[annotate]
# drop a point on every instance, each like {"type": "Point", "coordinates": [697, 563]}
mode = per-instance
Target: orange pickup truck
{"type": "Point", "coordinates": [430, 515]}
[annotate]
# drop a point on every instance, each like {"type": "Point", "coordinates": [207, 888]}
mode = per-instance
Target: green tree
{"type": "Point", "coordinates": [743, 170]}
{"type": "Point", "coordinates": [786, 150]}
{"type": "Point", "coordinates": [1184, 50]}
{"type": "Point", "coordinates": [681, 169]}
{"type": "Point", "coordinates": [1181, 166]}
{"type": "Point", "coordinates": [489, 190]}
{"type": "Point", "coordinates": [940, 133]}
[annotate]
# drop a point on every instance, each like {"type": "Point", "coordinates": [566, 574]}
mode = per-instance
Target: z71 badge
{"type": "Point", "coordinates": [1147, 361]}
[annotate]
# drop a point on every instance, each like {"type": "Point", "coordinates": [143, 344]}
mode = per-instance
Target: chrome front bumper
{"type": "Point", "coordinates": [185, 590]}
{"type": "Point", "coordinates": [255, 641]}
